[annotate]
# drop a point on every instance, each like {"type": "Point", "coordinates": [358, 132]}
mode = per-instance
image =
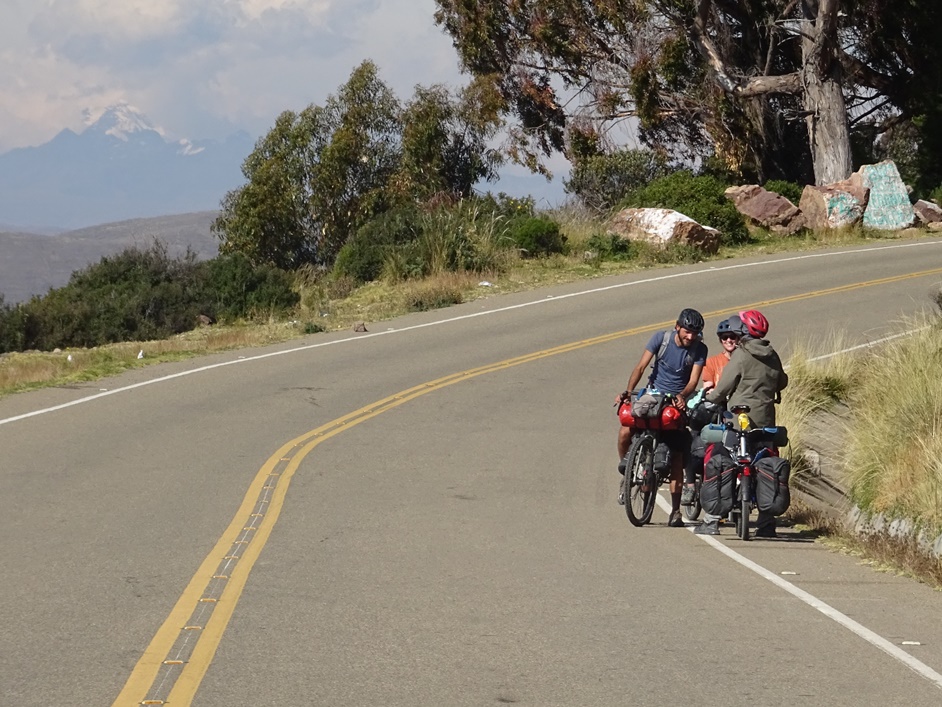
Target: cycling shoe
{"type": "Point", "coordinates": [710, 527]}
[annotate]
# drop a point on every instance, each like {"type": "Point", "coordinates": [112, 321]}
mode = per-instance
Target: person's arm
{"type": "Point", "coordinates": [681, 398]}
{"type": "Point", "coordinates": [638, 370]}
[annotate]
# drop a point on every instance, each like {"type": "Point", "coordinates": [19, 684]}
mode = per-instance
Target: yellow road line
{"type": "Point", "coordinates": [289, 456]}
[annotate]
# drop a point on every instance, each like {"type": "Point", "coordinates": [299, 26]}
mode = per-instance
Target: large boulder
{"type": "Point", "coordinates": [835, 205]}
{"type": "Point", "coordinates": [927, 213]}
{"type": "Point", "coordinates": [889, 207]}
{"type": "Point", "coordinates": [766, 209]}
{"type": "Point", "coordinates": [663, 227]}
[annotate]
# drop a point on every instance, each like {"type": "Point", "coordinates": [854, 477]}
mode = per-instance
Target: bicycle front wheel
{"type": "Point", "coordinates": [692, 512]}
{"type": "Point", "coordinates": [640, 479]}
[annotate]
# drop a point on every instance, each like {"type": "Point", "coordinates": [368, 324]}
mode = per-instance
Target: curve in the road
{"type": "Point", "coordinates": [183, 648]}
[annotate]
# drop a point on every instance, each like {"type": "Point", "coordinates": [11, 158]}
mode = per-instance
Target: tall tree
{"type": "Point", "coordinates": [737, 77]}
{"type": "Point", "coordinates": [315, 177]}
{"type": "Point", "coordinates": [446, 140]}
{"type": "Point", "coordinates": [320, 174]}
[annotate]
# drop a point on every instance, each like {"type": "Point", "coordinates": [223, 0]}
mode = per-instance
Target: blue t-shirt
{"type": "Point", "coordinates": [672, 372]}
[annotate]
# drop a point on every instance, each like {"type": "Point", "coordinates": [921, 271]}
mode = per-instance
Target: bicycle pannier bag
{"type": "Point", "coordinates": [648, 405]}
{"type": "Point", "coordinates": [719, 481]}
{"type": "Point", "coordinates": [662, 458]}
{"type": "Point", "coordinates": [772, 493]}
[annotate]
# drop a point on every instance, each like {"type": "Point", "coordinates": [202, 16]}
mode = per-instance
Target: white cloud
{"type": "Point", "coordinates": [126, 20]}
{"type": "Point", "coordinates": [203, 68]}
{"type": "Point", "coordinates": [253, 9]}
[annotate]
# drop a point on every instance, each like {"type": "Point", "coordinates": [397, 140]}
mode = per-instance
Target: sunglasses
{"type": "Point", "coordinates": [727, 337]}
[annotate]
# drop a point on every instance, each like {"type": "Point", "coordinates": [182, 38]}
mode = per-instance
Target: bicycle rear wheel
{"type": "Point", "coordinates": [640, 479]}
{"type": "Point", "coordinates": [745, 501]}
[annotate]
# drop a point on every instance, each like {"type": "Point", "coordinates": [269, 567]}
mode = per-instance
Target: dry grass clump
{"type": "Point", "coordinates": [815, 383]}
{"type": "Point", "coordinates": [894, 451]}
{"type": "Point", "coordinates": [442, 290]}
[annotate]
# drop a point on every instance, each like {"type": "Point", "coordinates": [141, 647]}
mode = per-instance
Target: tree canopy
{"type": "Point", "coordinates": [320, 174]}
{"type": "Point", "coordinates": [773, 88]}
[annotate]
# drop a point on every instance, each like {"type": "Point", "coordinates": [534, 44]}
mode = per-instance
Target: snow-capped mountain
{"type": "Point", "coordinates": [121, 121]}
{"type": "Point", "coordinates": [119, 166]}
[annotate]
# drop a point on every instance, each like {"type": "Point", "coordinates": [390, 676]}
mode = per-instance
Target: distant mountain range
{"type": "Point", "coordinates": [119, 167]}
{"type": "Point", "coordinates": [31, 263]}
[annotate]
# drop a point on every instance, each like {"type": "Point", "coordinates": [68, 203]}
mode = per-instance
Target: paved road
{"type": "Point", "coordinates": [425, 515]}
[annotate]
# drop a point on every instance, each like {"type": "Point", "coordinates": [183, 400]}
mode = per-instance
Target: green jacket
{"type": "Point", "coordinates": [754, 376]}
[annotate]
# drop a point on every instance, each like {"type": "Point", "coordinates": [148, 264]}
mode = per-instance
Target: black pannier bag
{"type": "Point", "coordinates": [719, 481]}
{"type": "Point", "coordinates": [662, 458]}
{"type": "Point", "coordinates": [772, 493]}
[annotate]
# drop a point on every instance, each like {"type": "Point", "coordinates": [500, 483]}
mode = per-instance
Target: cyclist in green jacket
{"type": "Point", "coordinates": [755, 377]}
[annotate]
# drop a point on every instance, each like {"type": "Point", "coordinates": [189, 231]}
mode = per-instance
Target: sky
{"type": "Point", "coordinates": [207, 68]}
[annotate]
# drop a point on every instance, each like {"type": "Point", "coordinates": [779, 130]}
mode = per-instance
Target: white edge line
{"type": "Point", "coordinates": [859, 629]}
{"type": "Point", "coordinates": [704, 271]}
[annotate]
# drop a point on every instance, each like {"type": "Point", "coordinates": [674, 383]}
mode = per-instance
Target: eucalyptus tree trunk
{"type": "Point", "coordinates": [828, 131]}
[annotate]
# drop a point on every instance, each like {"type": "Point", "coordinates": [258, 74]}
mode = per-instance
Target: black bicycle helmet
{"type": "Point", "coordinates": [691, 320]}
{"type": "Point", "coordinates": [724, 328]}
{"type": "Point", "coordinates": [735, 325]}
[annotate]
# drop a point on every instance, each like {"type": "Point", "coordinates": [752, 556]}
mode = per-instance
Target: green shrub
{"type": "Point", "coordinates": [535, 236]}
{"type": "Point", "coordinates": [601, 181]}
{"type": "Point", "coordinates": [142, 295]}
{"type": "Point", "coordinates": [701, 198]}
{"type": "Point", "coordinates": [936, 195]}
{"type": "Point", "coordinates": [135, 295]}
{"type": "Point", "coordinates": [789, 190]}
{"type": "Point", "coordinates": [12, 327]}
{"type": "Point", "coordinates": [362, 257]}
{"type": "Point", "coordinates": [404, 262]}
{"type": "Point", "coordinates": [610, 246]}
{"type": "Point", "coordinates": [467, 237]}
{"type": "Point", "coordinates": [238, 289]}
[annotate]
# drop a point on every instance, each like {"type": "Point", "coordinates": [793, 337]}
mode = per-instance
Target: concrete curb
{"type": "Point", "coordinates": [905, 529]}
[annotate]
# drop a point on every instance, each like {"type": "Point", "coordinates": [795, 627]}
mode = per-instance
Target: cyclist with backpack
{"type": "Point", "coordinates": [755, 377]}
{"type": "Point", "coordinates": [678, 356]}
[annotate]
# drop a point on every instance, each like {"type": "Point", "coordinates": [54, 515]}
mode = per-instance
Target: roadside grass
{"type": "Point", "coordinates": [892, 455]}
{"type": "Point", "coordinates": [36, 369]}
{"type": "Point", "coordinates": [816, 382]}
{"type": "Point", "coordinates": [894, 450]}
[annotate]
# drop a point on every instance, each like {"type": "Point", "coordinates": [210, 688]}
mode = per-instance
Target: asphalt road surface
{"type": "Point", "coordinates": [425, 514]}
